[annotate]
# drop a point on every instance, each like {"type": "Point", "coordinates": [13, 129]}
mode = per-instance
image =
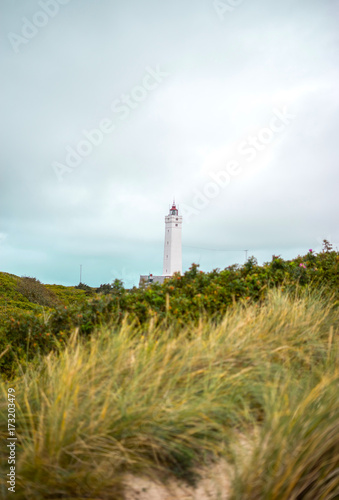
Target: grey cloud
{"type": "Point", "coordinates": [225, 78]}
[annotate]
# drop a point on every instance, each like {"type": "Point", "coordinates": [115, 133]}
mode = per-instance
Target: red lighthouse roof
{"type": "Point", "coordinates": [173, 209]}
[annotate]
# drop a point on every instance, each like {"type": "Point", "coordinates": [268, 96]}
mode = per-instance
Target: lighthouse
{"type": "Point", "coordinates": [172, 244]}
{"type": "Point", "coordinates": [172, 249]}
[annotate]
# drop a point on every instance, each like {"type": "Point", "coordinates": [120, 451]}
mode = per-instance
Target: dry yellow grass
{"type": "Point", "coordinates": [168, 401]}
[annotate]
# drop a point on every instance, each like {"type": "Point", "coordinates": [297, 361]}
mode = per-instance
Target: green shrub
{"type": "Point", "coordinates": [36, 292]}
{"type": "Point", "coordinates": [87, 289]}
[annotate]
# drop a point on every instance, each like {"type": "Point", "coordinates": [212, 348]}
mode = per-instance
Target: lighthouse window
{"type": "Point", "coordinates": [176, 218]}
{"type": "Point", "coordinates": [176, 224]}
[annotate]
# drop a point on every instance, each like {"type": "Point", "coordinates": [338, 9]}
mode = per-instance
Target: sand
{"type": "Point", "coordinates": [213, 485]}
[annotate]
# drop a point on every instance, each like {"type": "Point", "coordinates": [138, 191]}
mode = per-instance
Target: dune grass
{"type": "Point", "coordinates": [159, 400]}
{"type": "Point", "coordinates": [296, 455]}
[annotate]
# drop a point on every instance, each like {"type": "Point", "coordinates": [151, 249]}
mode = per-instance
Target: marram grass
{"type": "Point", "coordinates": [159, 400]}
{"type": "Point", "coordinates": [297, 453]}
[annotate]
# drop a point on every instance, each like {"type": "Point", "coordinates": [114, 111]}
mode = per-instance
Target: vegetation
{"type": "Point", "coordinates": [297, 453]}
{"type": "Point", "coordinates": [87, 289]}
{"type": "Point", "coordinates": [11, 300]}
{"type": "Point", "coordinates": [162, 379]}
{"type": "Point", "coordinates": [28, 329]}
{"type": "Point", "coordinates": [151, 399]}
{"type": "Point", "coordinates": [35, 292]}
{"type": "Point", "coordinates": [68, 294]}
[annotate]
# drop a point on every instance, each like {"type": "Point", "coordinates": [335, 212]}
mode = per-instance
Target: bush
{"type": "Point", "coordinates": [87, 289]}
{"type": "Point", "coordinates": [116, 288]}
{"type": "Point", "coordinates": [36, 292]}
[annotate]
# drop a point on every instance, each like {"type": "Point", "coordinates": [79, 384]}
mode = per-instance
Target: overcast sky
{"type": "Point", "coordinates": [111, 108]}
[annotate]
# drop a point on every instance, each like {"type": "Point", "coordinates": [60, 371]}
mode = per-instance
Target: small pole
{"type": "Point", "coordinates": [245, 255]}
{"type": "Point", "coordinates": [80, 272]}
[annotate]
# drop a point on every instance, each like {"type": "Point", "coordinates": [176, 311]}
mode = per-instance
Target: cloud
{"type": "Point", "coordinates": [225, 79]}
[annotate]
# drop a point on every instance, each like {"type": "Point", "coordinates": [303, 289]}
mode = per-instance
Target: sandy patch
{"type": "Point", "coordinates": [213, 485]}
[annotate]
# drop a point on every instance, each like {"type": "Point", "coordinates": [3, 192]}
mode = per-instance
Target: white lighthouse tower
{"type": "Point", "coordinates": [172, 247]}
